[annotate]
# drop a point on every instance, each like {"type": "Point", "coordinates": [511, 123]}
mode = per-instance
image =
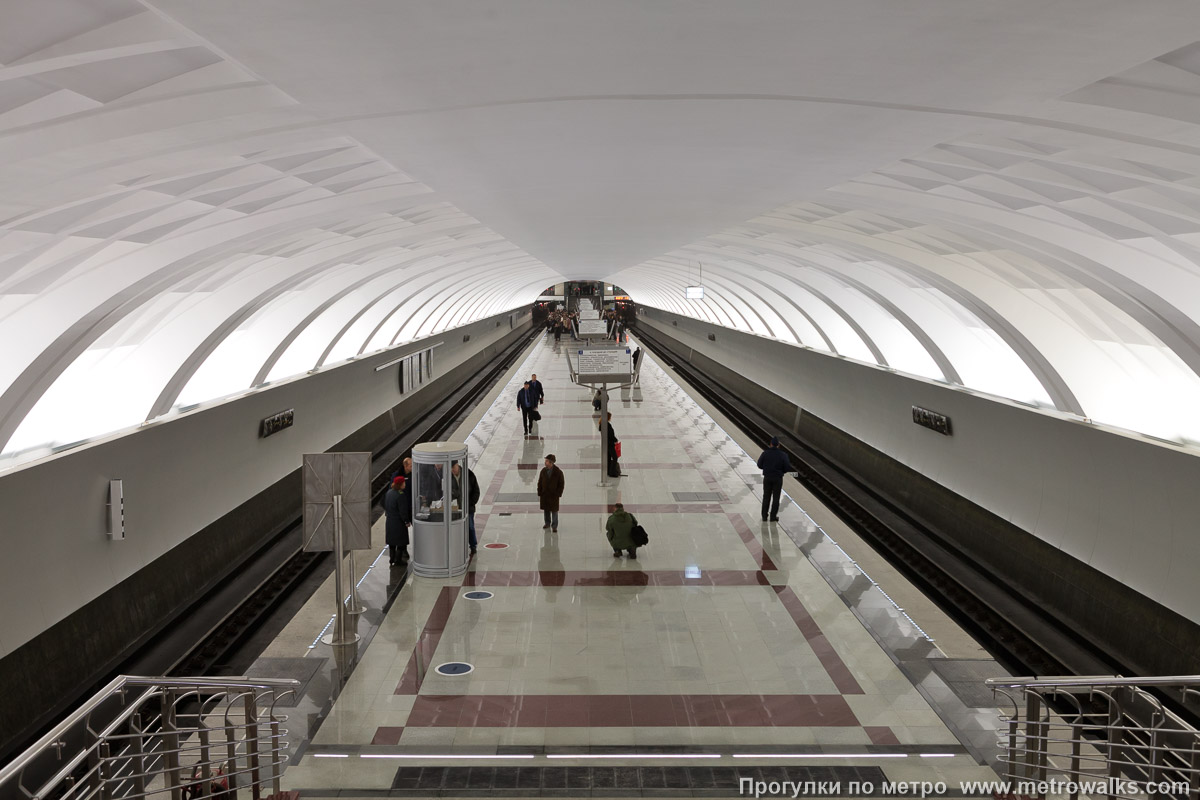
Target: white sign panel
{"type": "Point", "coordinates": [593, 327]}
{"type": "Point", "coordinates": [614, 361]}
{"type": "Point", "coordinates": [589, 313]}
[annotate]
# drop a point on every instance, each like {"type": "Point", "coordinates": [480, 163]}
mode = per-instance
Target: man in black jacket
{"type": "Point", "coordinates": [472, 500]}
{"type": "Point", "coordinates": [774, 463]}
{"type": "Point", "coordinates": [526, 402]}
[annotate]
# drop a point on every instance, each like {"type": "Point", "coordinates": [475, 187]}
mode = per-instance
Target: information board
{"type": "Point", "coordinates": [593, 327]}
{"type": "Point", "coordinates": [345, 474]}
{"type": "Point", "coordinates": [604, 364]}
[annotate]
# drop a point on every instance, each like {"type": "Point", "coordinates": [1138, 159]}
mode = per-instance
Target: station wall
{"type": "Point", "coordinates": [75, 595]}
{"type": "Point", "coordinates": [1118, 506]}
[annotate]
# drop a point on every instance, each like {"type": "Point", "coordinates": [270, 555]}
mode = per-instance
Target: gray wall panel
{"type": "Point", "coordinates": [1100, 525]}
{"type": "Point", "coordinates": [180, 475]}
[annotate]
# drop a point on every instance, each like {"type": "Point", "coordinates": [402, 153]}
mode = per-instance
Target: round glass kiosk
{"type": "Point", "coordinates": [439, 536]}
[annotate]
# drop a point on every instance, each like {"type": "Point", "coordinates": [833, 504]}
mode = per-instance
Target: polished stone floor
{"type": "Point", "coordinates": [749, 645]}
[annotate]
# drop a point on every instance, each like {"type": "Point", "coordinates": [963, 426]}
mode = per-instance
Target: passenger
{"type": "Point", "coordinates": [614, 464]}
{"type": "Point", "coordinates": [597, 401]}
{"type": "Point", "coordinates": [526, 404]}
{"type": "Point", "coordinates": [774, 463]}
{"type": "Point", "coordinates": [539, 394]}
{"type": "Point", "coordinates": [550, 487]}
{"type": "Point", "coordinates": [472, 500]}
{"type": "Point", "coordinates": [399, 515]}
{"type": "Point", "coordinates": [620, 531]}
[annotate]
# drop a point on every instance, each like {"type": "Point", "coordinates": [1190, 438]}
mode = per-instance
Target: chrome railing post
{"type": "Point", "coordinates": [277, 755]}
{"type": "Point", "coordinates": [1076, 751]}
{"type": "Point", "coordinates": [205, 760]}
{"type": "Point", "coordinates": [104, 770]}
{"type": "Point", "coordinates": [137, 751]}
{"type": "Point", "coordinates": [172, 774]}
{"type": "Point", "coordinates": [251, 723]}
{"type": "Point", "coordinates": [1116, 737]}
{"type": "Point", "coordinates": [1034, 744]}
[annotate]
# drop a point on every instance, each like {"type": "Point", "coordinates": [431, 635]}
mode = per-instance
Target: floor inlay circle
{"type": "Point", "coordinates": [454, 668]}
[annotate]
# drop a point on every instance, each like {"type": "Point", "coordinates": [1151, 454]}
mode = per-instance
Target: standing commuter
{"type": "Point", "coordinates": [472, 500]}
{"type": "Point", "coordinates": [551, 484]}
{"type": "Point", "coordinates": [619, 530]}
{"type": "Point", "coordinates": [526, 403]}
{"type": "Point", "coordinates": [774, 463]}
{"type": "Point", "coordinates": [399, 516]}
{"type": "Point", "coordinates": [614, 465]}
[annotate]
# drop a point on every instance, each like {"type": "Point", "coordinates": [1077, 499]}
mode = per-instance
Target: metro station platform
{"type": "Point", "coordinates": [730, 648]}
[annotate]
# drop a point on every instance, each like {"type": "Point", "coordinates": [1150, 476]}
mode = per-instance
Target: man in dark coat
{"type": "Point", "coordinates": [774, 463]}
{"type": "Point", "coordinates": [535, 386]}
{"type": "Point", "coordinates": [399, 515]}
{"type": "Point", "coordinates": [614, 464]}
{"type": "Point", "coordinates": [526, 403]}
{"type": "Point", "coordinates": [550, 487]}
{"type": "Point", "coordinates": [472, 500]}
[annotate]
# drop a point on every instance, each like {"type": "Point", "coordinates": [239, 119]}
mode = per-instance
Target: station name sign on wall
{"type": "Point", "coordinates": [276, 422]}
{"type": "Point", "coordinates": [932, 420]}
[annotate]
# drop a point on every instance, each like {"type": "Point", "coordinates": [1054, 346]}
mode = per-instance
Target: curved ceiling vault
{"type": "Point", "coordinates": [197, 199]}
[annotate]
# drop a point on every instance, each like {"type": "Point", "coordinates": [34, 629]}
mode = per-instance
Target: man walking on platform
{"type": "Point", "coordinates": [535, 386]}
{"type": "Point", "coordinates": [526, 403]}
{"type": "Point", "coordinates": [774, 463]}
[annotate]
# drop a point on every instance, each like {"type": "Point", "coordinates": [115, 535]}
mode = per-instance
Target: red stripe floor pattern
{"type": "Point", "coordinates": [624, 711]}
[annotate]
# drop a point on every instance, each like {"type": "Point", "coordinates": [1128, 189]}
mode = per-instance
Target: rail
{"type": "Point", "coordinates": [153, 737]}
{"type": "Point", "coordinates": [1099, 736]}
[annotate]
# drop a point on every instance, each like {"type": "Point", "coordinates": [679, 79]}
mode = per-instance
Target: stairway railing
{"type": "Point", "coordinates": [1099, 736]}
{"type": "Point", "coordinates": [157, 737]}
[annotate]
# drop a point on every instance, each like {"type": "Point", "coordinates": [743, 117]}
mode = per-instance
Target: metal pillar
{"type": "Point", "coordinates": [603, 434]}
{"type": "Point", "coordinates": [354, 606]}
{"type": "Point", "coordinates": [340, 635]}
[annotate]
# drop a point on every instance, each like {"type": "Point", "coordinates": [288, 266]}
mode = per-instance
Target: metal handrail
{"type": "Point", "coordinates": [1094, 680]}
{"type": "Point", "coordinates": [118, 754]}
{"type": "Point", "coordinates": [1099, 728]}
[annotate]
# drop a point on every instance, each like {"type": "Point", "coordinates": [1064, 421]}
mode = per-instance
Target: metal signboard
{"type": "Point", "coordinates": [329, 474]}
{"type": "Point", "coordinates": [593, 327]}
{"type": "Point", "coordinates": [604, 365]}
{"type": "Point", "coordinates": [589, 313]}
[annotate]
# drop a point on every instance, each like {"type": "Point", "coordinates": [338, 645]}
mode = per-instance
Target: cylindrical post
{"type": "Point", "coordinates": [604, 434]}
{"type": "Point", "coordinates": [339, 610]}
{"type": "Point", "coordinates": [173, 775]}
{"type": "Point", "coordinates": [250, 706]}
{"type": "Point", "coordinates": [340, 635]}
{"type": "Point", "coordinates": [354, 606]}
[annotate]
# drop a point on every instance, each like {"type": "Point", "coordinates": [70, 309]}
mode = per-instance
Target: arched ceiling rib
{"type": "Point", "coordinates": [196, 199]}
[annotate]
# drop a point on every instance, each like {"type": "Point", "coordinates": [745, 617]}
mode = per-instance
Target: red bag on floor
{"type": "Point", "coordinates": [617, 448]}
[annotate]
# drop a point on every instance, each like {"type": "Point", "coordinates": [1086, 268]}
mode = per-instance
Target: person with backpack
{"type": "Point", "coordinates": [619, 530]}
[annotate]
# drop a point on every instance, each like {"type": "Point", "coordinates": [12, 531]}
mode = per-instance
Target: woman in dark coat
{"type": "Point", "coordinates": [614, 466]}
{"type": "Point", "coordinates": [397, 505]}
{"type": "Point", "coordinates": [550, 487]}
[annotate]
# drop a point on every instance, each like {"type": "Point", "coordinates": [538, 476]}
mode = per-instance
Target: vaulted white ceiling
{"type": "Point", "coordinates": [197, 198]}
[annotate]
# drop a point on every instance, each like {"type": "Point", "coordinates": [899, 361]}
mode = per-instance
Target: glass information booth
{"type": "Point", "coordinates": [439, 537]}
